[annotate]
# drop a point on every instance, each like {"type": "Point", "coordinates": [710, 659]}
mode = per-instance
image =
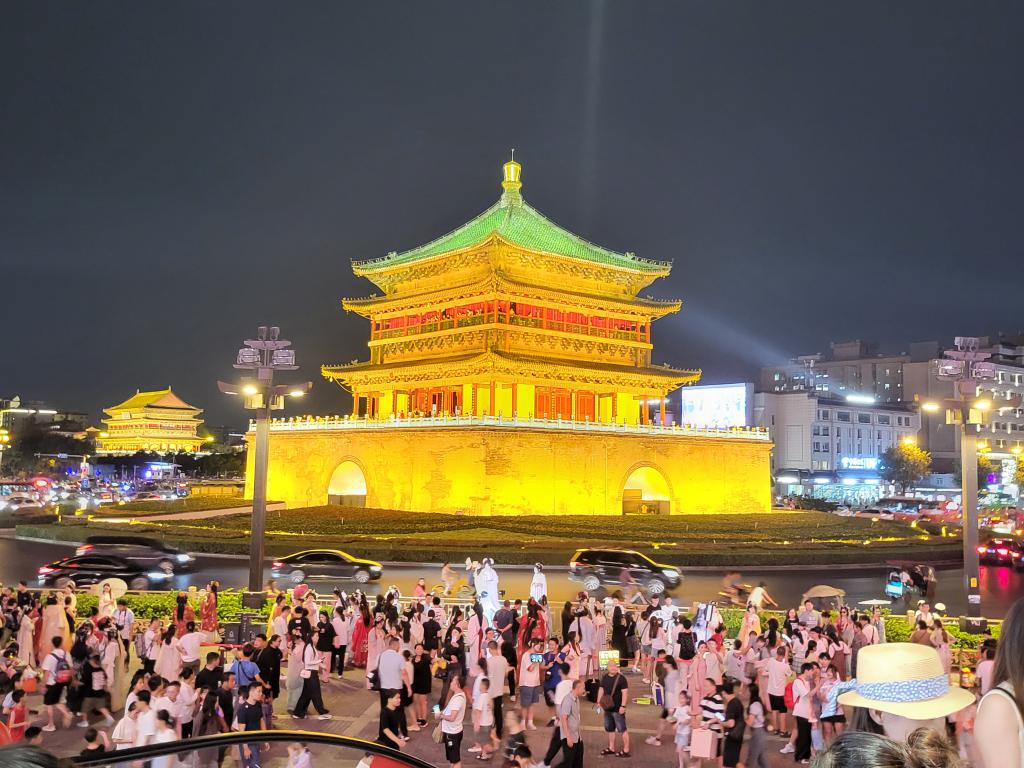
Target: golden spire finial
{"type": "Point", "coordinates": [510, 175]}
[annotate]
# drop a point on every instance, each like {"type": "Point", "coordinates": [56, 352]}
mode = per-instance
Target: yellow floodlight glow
{"type": "Point", "coordinates": [930, 406]}
{"type": "Point", "coordinates": [909, 440]}
{"type": "Point", "coordinates": [982, 405]}
{"type": "Point", "coordinates": [249, 390]}
{"type": "Point", "coordinates": [296, 393]}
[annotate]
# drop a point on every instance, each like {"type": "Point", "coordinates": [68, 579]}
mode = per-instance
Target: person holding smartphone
{"type": "Point", "coordinates": [451, 720]}
{"type": "Point", "coordinates": [530, 681]}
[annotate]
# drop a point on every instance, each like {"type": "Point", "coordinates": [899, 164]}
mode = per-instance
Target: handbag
{"type": "Point", "coordinates": [607, 700]}
{"type": "Point", "coordinates": [438, 734]}
{"type": "Point", "coordinates": [702, 744]}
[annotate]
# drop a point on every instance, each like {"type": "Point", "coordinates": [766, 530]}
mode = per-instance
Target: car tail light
{"type": "Point", "coordinates": [45, 569]}
{"type": "Point", "coordinates": [1002, 551]}
{"type": "Point", "coordinates": [277, 564]}
{"type": "Point", "coordinates": [83, 549]}
{"type": "Point", "coordinates": [573, 564]}
{"type": "Point", "coordinates": [982, 550]}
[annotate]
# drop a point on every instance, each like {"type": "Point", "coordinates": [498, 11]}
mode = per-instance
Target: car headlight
{"type": "Point", "coordinates": [183, 558]}
{"type": "Point", "coordinates": [158, 575]}
{"type": "Point", "coordinates": [672, 573]}
{"type": "Point", "coordinates": [376, 568]}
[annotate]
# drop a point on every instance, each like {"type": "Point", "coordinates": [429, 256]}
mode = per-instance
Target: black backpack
{"type": "Point", "coordinates": [687, 650]}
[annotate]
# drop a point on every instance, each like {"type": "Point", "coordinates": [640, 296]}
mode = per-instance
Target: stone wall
{"type": "Point", "coordinates": [495, 471]}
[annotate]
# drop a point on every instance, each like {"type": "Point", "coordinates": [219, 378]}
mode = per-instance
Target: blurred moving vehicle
{"type": "Point", "coordinates": [146, 553]}
{"type": "Point", "coordinates": [597, 568]}
{"type": "Point", "coordinates": [83, 570]}
{"type": "Point", "coordinates": [1002, 551]}
{"type": "Point", "coordinates": [325, 564]}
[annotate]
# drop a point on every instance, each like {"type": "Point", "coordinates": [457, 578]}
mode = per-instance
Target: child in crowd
{"type": "Point", "coordinates": [684, 726]}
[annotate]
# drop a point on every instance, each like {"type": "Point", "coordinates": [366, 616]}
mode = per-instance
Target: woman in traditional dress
{"type": "Point", "coordinates": [54, 624]}
{"type": "Point", "coordinates": [112, 659]}
{"type": "Point", "coordinates": [183, 614]}
{"type": "Point", "coordinates": [360, 632]}
{"type": "Point", "coordinates": [940, 639]}
{"type": "Point", "coordinates": [751, 623]}
{"type": "Point", "coordinates": [208, 611]}
{"type": "Point", "coordinates": [375, 645]}
{"type": "Point", "coordinates": [696, 677]}
{"type": "Point", "coordinates": [26, 635]}
{"type": "Point", "coordinates": [168, 659]}
{"type": "Point", "coordinates": [475, 637]}
{"type": "Point", "coordinates": [106, 603]}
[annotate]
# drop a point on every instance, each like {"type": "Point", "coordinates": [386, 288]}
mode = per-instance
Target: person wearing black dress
{"type": "Point", "coordinates": [325, 640]}
{"type": "Point", "coordinates": [454, 653]}
{"type": "Point", "coordinates": [268, 659]}
{"type": "Point", "coordinates": [422, 683]}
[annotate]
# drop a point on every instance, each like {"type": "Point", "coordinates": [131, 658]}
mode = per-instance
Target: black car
{"type": "Point", "coordinates": [1004, 551]}
{"type": "Point", "coordinates": [596, 568]}
{"type": "Point", "coordinates": [325, 564]}
{"type": "Point", "coordinates": [148, 554]}
{"type": "Point", "coordinates": [83, 570]}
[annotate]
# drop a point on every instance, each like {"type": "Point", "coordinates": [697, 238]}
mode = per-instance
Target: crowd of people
{"type": "Point", "coordinates": [480, 680]}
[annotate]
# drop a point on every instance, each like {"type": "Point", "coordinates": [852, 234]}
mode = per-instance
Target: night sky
{"type": "Point", "coordinates": [174, 174]}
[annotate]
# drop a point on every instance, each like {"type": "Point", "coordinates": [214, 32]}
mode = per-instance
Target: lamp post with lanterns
{"type": "Point", "coordinates": [262, 357]}
{"type": "Point", "coordinates": [966, 368]}
{"type": "Point", "coordinates": [5, 439]}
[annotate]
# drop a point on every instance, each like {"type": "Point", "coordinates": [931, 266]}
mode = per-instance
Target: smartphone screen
{"type": "Point", "coordinates": [536, 658]}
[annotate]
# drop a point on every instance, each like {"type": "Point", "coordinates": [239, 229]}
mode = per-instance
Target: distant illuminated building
{"type": "Point", "coordinates": [151, 421]}
{"type": "Point", "coordinates": [510, 372]}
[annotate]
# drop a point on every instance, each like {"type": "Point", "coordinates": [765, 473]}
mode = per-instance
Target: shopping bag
{"type": "Point", "coordinates": [702, 744]}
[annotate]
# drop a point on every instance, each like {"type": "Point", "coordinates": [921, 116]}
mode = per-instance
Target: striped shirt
{"type": "Point", "coordinates": [710, 706]}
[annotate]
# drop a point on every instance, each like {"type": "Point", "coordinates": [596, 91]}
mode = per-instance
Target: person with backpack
{"type": "Point", "coordinates": [147, 645]}
{"type": "Point", "coordinates": [57, 676]}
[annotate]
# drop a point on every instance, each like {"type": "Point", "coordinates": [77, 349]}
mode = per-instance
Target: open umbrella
{"type": "Point", "coordinates": [875, 601]}
{"type": "Point", "coordinates": [117, 588]}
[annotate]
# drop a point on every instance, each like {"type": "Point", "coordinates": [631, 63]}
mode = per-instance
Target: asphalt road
{"type": "Point", "coordinates": [999, 586]}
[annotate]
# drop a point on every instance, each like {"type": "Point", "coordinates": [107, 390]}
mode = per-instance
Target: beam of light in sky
{"type": "Point", "coordinates": [716, 331]}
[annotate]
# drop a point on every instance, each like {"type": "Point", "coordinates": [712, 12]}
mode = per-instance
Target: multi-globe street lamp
{"type": "Point", "coordinates": [263, 356]}
{"type": "Point", "coordinates": [966, 367]}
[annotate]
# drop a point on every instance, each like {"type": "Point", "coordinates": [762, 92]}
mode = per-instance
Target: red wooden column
{"type": "Point", "coordinates": [355, 402]}
{"type": "Point", "coordinates": [514, 394]}
{"type": "Point", "coordinates": [615, 407]}
{"type": "Point", "coordinates": [493, 411]}
{"type": "Point", "coordinates": [663, 410]}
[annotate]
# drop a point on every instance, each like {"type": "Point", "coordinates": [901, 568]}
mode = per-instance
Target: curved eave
{"type": "Point", "coordinates": [656, 308]}
{"type": "Point", "coordinates": [387, 265]}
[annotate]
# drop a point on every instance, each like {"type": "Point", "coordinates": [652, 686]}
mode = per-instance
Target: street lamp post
{"type": "Point", "coordinates": [965, 367]}
{"type": "Point", "coordinates": [5, 439]}
{"type": "Point", "coordinates": [263, 356]}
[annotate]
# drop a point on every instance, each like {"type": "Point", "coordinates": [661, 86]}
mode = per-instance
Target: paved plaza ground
{"type": "Point", "coordinates": [355, 713]}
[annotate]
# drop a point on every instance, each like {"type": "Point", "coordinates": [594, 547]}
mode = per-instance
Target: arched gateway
{"type": "Point", "coordinates": [347, 486]}
{"type": "Point", "coordinates": [646, 492]}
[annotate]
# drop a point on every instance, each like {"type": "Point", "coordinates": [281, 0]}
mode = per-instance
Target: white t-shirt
{"type": "Point", "coordinates": [164, 737]}
{"type": "Point", "coordinates": [528, 677]}
{"type": "Point", "coordinates": [778, 676]}
{"type": "Point", "coordinates": [801, 691]}
{"type": "Point", "coordinates": [125, 619]}
{"type": "Point", "coordinates": [145, 727]}
{"type": "Point", "coordinates": [186, 704]}
{"type": "Point", "coordinates": [340, 631]}
{"type": "Point", "coordinates": [756, 597]}
{"type": "Point", "coordinates": [189, 645]}
{"type": "Point", "coordinates": [164, 702]}
{"type": "Point", "coordinates": [389, 668]}
{"type": "Point", "coordinates": [456, 706]}
{"type": "Point", "coordinates": [497, 673]}
{"type": "Point", "coordinates": [152, 644]}
{"type": "Point", "coordinates": [49, 664]}
{"type": "Point", "coordinates": [124, 731]}
{"type": "Point", "coordinates": [563, 689]}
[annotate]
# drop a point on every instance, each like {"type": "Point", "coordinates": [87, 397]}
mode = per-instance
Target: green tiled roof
{"type": "Point", "coordinates": [523, 225]}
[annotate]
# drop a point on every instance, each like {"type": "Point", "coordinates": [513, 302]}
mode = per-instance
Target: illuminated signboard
{"type": "Point", "coordinates": [717, 406]}
{"type": "Point", "coordinates": [852, 462]}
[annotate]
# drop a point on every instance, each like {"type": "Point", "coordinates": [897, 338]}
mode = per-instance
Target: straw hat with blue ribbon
{"type": "Point", "coordinates": [905, 679]}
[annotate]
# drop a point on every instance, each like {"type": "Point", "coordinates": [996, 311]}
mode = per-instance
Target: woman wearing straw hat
{"type": "Point", "coordinates": [999, 726]}
{"type": "Point", "coordinates": [899, 687]}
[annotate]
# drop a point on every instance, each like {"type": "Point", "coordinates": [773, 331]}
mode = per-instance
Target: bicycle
{"type": "Point", "coordinates": [460, 590]}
